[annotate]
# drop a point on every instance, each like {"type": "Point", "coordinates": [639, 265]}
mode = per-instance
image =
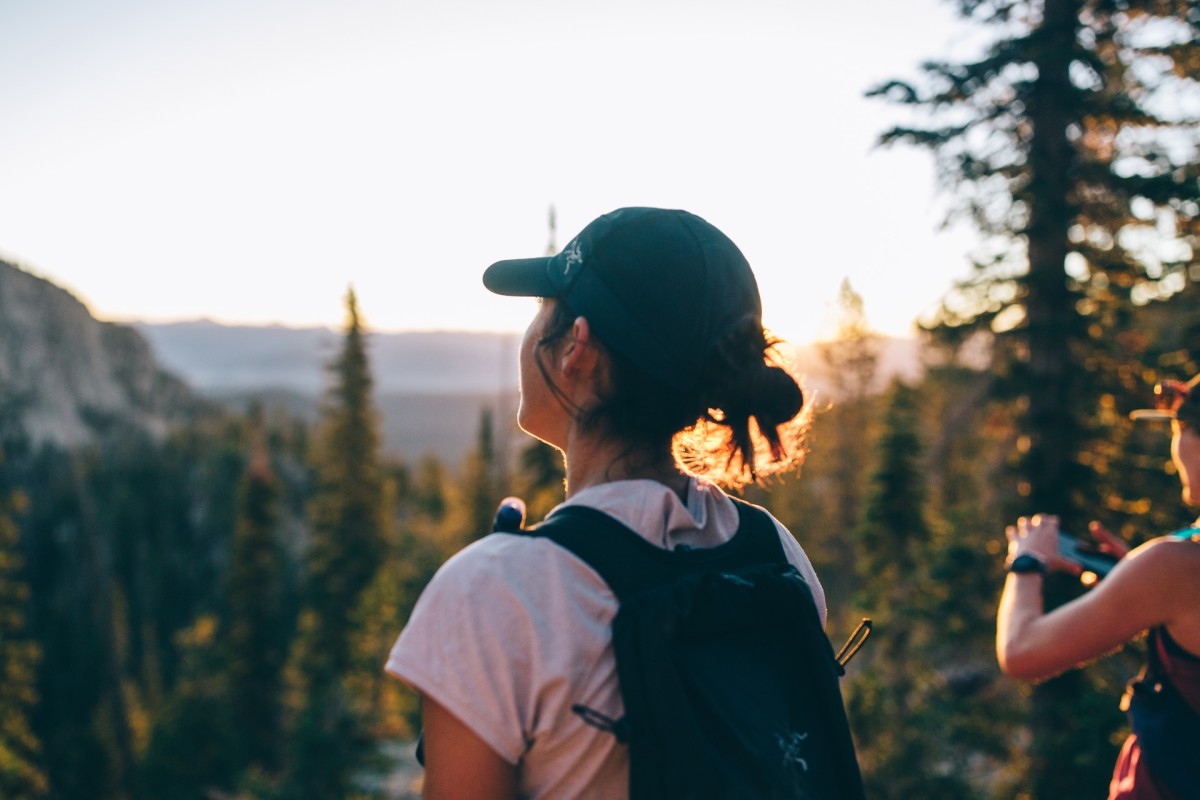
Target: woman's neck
{"type": "Point", "coordinates": [591, 461]}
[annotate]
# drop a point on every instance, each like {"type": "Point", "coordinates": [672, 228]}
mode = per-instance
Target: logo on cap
{"type": "Point", "coordinates": [573, 257]}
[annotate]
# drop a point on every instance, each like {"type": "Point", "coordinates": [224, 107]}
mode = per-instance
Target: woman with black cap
{"type": "Point", "coordinates": [1155, 588]}
{"type": "Point", "coordinates": [647, 365]}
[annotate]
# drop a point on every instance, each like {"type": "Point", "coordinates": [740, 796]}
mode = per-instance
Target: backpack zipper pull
{"type": "Point", "coordinates": [854, 643]}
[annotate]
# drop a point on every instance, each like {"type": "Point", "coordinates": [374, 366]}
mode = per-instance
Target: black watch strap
{"type": "Point", "coordinates": [1027, 563]}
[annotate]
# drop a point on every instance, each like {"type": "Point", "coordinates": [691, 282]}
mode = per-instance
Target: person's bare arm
{"type": "Point", "coordinates": [1134, 597]}
{"type": "Point", "coordinates": [458, 764]}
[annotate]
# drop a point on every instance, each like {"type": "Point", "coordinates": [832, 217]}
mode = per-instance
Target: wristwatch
{"type": "Point", "coordinates": [1027, 563]}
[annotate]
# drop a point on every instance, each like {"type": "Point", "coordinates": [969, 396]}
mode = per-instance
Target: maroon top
{"type": "Point", "coordinates": [1131, 779]}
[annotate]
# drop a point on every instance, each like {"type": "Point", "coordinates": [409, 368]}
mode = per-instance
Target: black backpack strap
{"type": "Point", "coordinates": [627, 562]}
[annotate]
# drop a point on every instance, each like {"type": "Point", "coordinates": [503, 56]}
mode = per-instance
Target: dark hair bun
{"type": "Point", "coordinates": [771, 396]}
{"type": "Point", "coordinates": [743, 384]}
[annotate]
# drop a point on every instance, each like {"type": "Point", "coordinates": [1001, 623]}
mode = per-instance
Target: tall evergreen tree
{"type": "Point", "coordinates": [257, 626]}
{"type": "Point", "coordinates": [21, 775]}
{"type": "Point", "coordinates": [851, 360]}
{"type": "Point", "coordinates": [924, 728]}
{"type": "Point", "coordinates": [845, 430]}
{"type": "Point", "coordinates": [429, 489]}
{"type": "Point", "coordinates": [1066, 145]}
{"type": "Point", "coordinates": [893, 541]}
{"type": "Point", "coordinates": [480, 491]}
{"type": "Point", "coordinates": [191, 752]}
{"type": "Point", "coordinates": [329, 737]}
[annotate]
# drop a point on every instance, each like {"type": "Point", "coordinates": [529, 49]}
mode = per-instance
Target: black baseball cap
{"type": "Point", "coordinates": [1174, 400]}
{"type": "Point", "coordinates": [658, 286]}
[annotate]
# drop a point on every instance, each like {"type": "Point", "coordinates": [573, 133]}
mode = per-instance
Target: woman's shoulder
{"type": "Point", "coordinates": [513, 569]}
{"type": "Point", "coordinates": [1164, 570]}
{"type": "Point", "coordinates": [500, 557]}
{"type": "Point", "coordinates": [1166, 553]}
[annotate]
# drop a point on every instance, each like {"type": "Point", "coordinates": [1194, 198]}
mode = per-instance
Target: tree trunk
{"type": "Point", "coordinates": [1061, 733]}
{"type": "Point", "coordinates": [1049, 304]}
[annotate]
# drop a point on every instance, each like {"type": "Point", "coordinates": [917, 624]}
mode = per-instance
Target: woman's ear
{"type": "Point", "coordinates": [580, 355]}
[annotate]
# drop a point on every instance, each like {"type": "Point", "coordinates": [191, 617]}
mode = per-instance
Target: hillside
{"type": "Point", "coordinates": [224, 358]}
{"type": "Point", "coordinates": [431, 386]}
{"type": "Point", "coordinates": [66, 378]}
{"type": "Point", "coordinates": [230, 359]}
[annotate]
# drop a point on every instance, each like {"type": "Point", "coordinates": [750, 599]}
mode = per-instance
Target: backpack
{"type": "Point", "coordinates": [729, 684]}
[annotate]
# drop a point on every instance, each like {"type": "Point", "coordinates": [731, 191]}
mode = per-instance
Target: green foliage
{"type": "Point", "coordinates": [258, 625]}
{"type": "Point", "coordinates": [329, 723]}
{"type": "Point", "coordinates": [346, 512]}
{"type": "Point", "coordinates": [165, 576]}
{"type": "Point", "coordinates": [128, 545]}
{"type": "Point", "coordinates": [21, 774]}
{"type": "Point", "coordinates": [930, 714]}
{"type": "Point", "coordinates": [1066, 146]}
{"type": "Point", "coordinates": [851, 360]}
{"type": "Point", "coordinates": [479, 486]}
{"type": "Point", "coordinates": [191, 753]}
{"type": "Point", "coordinates": [429, 489]}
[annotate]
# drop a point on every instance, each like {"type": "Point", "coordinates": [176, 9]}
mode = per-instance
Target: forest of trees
{"type": "Point", "coordinates": [207, 616]}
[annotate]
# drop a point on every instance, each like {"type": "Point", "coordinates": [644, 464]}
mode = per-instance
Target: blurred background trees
{"type": "Point", "coordinates": [21, 776]}
{"type": "Point", "coordinates": [1072, 144]}
{"type": "Point", "coordinates": [200, 634]}
{"type": "Point", "coordinates": [207, 614]}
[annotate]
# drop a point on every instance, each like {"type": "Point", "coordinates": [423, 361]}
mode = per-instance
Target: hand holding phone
{"type": "Point", "coordinates": [1086, 555]}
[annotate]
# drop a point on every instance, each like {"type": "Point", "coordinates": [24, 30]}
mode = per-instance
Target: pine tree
{"type": "Point", "coordinates": [1067, 146]}
{"type": "Point", "coordinates": [21, 777]}
{"type": "Point", "coordinates": [926, 728]}
{"type": "Point", "coordinates": [191, 755]}
{"type": "Point", "coordinates": [480, 492]}
{"type": "Point", "coordinates": [892, 541]}
{"type": "Point", "coordinates": [329, 736]}
{"type": "Point", "coordinates": [977, 718]}
{"type": "Point", "coordinates": [258, 626]}
{"type": "Point", "coordinates": [429, 489]}
{"type": "Point", "coordinates": [844, 434]}
{"type": "Point", "coordinates": [423, 542]}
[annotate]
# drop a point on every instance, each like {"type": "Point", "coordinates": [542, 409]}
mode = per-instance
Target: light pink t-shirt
{"type": "Point", "coordinates": [514, 630]}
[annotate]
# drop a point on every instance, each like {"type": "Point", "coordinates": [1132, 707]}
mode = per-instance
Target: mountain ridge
{"type": "Point", "coordinates": [66, 377]}
{"type": "Point", "coordinates": [216, 357]}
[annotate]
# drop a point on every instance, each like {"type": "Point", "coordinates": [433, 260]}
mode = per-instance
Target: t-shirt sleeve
{"type": "Point", "coordinates": [799, 559]}
{"type": "Point", "coordinates": [468, 644]}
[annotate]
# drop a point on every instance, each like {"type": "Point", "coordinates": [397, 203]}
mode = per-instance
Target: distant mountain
{"type": "Point", "coordinates": [431, 387]}
{"type": "Point", "coordinates": [224, 358]}
{"type": "Point", "coordinates": [67, 378]}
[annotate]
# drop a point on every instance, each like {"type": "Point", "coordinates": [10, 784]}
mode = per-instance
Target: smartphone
{"type": "Point", "coordinates": [1085, 555]}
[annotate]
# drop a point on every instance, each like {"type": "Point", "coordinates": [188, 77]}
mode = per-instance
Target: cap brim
{"type": "Point", "coordinates": [1151, 413]}
{"type": "Point", "coordinates": [520, 277]}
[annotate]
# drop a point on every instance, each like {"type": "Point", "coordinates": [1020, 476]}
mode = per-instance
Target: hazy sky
{"type": "Point", "coordinates": [246, 160]}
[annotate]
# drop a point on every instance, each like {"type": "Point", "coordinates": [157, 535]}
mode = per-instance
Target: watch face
{"type": "Point", "coordinates": [1027, 563]}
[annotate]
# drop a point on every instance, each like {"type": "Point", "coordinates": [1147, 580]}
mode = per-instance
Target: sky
{"type": "Point", "coordinates": [246, 161]}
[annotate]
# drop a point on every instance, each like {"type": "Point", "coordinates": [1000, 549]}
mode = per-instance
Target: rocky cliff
{"type": "Point", "coordinates": [67, 378]}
